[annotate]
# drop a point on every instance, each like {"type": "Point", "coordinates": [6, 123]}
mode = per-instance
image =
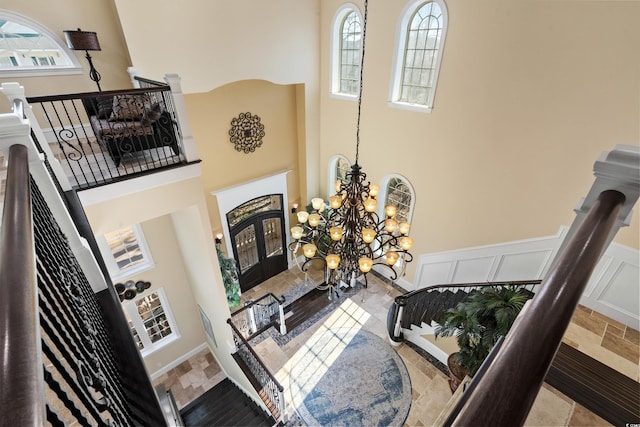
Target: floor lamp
{"type": "Point", "coordinates": [85, 40]}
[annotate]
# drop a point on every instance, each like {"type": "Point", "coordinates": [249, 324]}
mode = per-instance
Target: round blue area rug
{"type": "Point", "coordinates": [349, 377]}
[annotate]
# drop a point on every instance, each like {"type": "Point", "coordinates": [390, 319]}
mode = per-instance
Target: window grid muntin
{"type": "Point", "coordinates": [127, 269]}
{"type": "Point", "coordinates": [337, 169]}
{"type": "Point", "coordinates": [421, 52]}
{"type": "Point", "coordinates": [350, 53]}
{"type": "Point", "coordinates": [154, 318]}
{"type": "Point", "coordinates": [399, 194]}
{"type": "Point", "coordinates": [125, 247]}
{"type": "Point", "coordinates": [28, 47]}
{"type": "Point", "coordinates": [146, 313]}
{"type": "Point", "coordinates": [342, 167]}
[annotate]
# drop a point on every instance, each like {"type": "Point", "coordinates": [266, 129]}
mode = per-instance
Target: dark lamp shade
{"type": "Point", "coordinates": [82, 40]}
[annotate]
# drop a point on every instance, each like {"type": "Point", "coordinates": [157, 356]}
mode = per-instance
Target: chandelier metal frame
{"type": "Point", "coordinates": [346, 233]}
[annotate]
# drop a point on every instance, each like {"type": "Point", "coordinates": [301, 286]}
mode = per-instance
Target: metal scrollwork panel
{"type": "Point", "coordinates": [246, 132]}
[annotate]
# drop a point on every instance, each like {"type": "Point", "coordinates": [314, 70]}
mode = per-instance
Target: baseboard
{"type": "Point", "coordinates": [178, 361]}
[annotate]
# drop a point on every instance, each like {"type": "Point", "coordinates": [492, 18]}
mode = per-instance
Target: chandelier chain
{"type": "Point", "coordinates": [364, 33]}
{"type": "Point", "coordinates": [347, 235]}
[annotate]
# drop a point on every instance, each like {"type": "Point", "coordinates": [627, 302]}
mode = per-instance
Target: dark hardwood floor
{"type": "Point", "coordinates": [225, 405]}
{"type": "Point", "coordinates": [599, 388]}
{"type": "Point", "coordinates": [304, 307]}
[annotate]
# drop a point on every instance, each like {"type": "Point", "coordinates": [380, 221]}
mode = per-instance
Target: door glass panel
{"type": "Point", "coordinates": [272, 236]}
{"type": "Point", "coordinates": [254, 207]}
{"type": "Point", "coordinates": [247, 249]}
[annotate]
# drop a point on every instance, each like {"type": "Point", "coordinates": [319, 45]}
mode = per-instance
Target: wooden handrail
{"type": "Point", "coordinates": [22, 390]}
{"type": "Point", "coordinates": [467, 285]}
{"type": "Point", "coordinates": [149, 81]}
{"type": "Point", "coordinates": [255, 302]}
{"type": "Point", "coordinates": [505, 394]}
{"type": "Point", "coordinates": [255, 355]}
{"type": "Point", "coordinates": [104, 93]}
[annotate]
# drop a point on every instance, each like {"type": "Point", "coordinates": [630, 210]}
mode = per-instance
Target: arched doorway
{"type": "Point", "coordinates": [258, 239]}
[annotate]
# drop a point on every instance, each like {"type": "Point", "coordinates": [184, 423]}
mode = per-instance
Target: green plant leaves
{"type": "Point", "coordinates": [480, 320]}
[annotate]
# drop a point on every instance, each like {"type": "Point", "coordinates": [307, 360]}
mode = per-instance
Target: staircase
{"type": "Point", "coordinates": [602, 390]}
{"type": "Point", "coordinates": [425, 305]}
{"type": "Point", "coordinates": [225, 405]}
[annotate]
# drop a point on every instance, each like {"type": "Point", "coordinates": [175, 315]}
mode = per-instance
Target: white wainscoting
{"type": "Point", "coordinates": [518, 260]}
{"type": "Point", "coordinates": [613, 289]}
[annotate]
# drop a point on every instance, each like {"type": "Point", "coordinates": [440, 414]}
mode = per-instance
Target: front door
{"type": "Point", "coordinates": [258, 239]}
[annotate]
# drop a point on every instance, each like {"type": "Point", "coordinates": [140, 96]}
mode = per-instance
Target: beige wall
{"type": "Point", "coordinates": [530, 93]}
{"type": "Point", "coordinates": [213, 43]}
{"type": "Point", "coordinates": [170, 275]}
{"type": "Point", "coordinates": [520, 114]}
{"type": "Point", "coordinates": [184, 203]}
{"type": "Point", "coordinates": [222, 42]}
{"type": "Point", "coordinates": [99, 16]}
{"type": "Point", "coordinates": [210, 116]}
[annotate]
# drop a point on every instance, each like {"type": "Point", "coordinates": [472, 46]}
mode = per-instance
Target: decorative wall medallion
{"type": "Point", "coordinates": [246, 132]}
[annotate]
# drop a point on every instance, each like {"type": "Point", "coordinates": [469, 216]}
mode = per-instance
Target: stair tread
{"type": "Point", "coordinates": [223, 405]}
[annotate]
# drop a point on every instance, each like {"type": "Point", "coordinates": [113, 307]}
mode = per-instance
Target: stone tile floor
{"type": "Point", "coordinates": [600, 337]}
{"type": "Point", "coordinates": [192, 377]}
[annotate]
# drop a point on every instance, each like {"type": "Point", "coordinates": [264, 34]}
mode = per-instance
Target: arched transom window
{"type": "Point", "coordinates": [398, 191]}
{"type": "Point", "coordinates": [347, 51]}
{"type": "Point", "coordinates": [28, 48]}
{"type": "Point", "coordinates": [339, 165]}
{"type": "Point", "coordinates": [421, 40]}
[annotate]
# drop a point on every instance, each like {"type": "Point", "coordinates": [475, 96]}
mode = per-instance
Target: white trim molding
{"type": "Point", "coordinates": [232, 197]}
{"type": "Point", "coordinates": [517, 260]}
{"type": "Point", "coordinates": [612, 290]}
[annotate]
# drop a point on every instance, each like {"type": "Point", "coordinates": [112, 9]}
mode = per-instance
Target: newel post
{"type": "Point", "coordinates": [188, 142]}
{"type": "Point", "coordinates": [14, 91]}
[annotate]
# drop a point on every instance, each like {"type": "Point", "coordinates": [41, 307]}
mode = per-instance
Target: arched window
{"type": "Point", "coordinates": [346, 51]}
{"type": "Point", "coordinates": [420, 44]}
{"type": "Point", "coordinates": [30, 49]}
{"type": "Point", "coordinates": [398, 191]}
{"type": "Point", "coordinates": [339, 165]}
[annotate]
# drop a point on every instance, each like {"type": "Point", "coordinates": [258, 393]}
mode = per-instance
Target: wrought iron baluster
{"type": "Point", "coordinates": [74, 338]}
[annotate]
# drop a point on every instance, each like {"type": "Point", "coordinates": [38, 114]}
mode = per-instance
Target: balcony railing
{"type": "Point", "coordinates": [102, 137]}
{"type": "Point", "coordinates": [258, 315]}
{"type": "Point", "coordinates": [60, 364]}
{"type": "Point", "coordinates": [265, 383]}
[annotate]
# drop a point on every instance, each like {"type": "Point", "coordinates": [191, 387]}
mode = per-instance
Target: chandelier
{"type": "Point", "coordinates": [346, 233]}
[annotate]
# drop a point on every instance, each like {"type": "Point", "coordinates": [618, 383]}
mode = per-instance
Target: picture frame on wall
{"type": "Point", "coordinates": [206, 323]}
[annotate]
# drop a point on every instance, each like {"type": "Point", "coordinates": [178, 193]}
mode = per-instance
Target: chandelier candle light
{"type": "Point", "coordinates": [346, 233]}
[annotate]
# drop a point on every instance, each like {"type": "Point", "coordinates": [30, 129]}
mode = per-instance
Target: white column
{"type": "Point", "coordinates": [283, 326]}
{"type": "Point", "coordinates": [253, 328]}
{"type": "Point", "coordinates": [14, 91]}
{"type": "Point", "coordinates": [188, 142]}
{"type": "Point", "coordinates": [618, 169]}
{"type": "Point", "coordinates": [133, 72]}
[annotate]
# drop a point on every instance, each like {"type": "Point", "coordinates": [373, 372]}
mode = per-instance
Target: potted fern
{"type": "Point", "coordinates": [230, 279]}
{"type": "Point", "coordinates": [478, 322]}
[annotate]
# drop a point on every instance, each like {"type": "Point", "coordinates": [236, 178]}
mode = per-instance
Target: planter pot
{"type": "Point", "coordinates": [457, 372]}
